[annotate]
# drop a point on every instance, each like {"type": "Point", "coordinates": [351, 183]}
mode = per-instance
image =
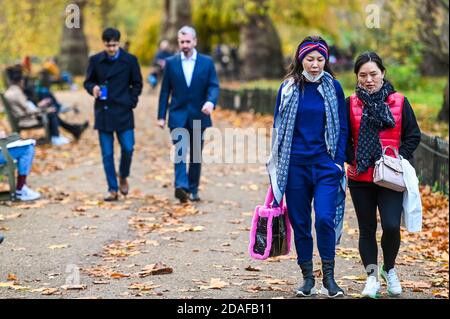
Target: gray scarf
{"type": "Point", "coordinates": [278, 164]}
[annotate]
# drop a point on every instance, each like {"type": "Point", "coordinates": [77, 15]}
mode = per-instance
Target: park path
{"type": "Point", "coordinates": [72, 245]}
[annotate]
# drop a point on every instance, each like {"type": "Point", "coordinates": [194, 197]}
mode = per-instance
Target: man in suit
{"type": "Point", "coordinates": [190, 80]}
{"type": "Point", "coordinates": [114, 79]}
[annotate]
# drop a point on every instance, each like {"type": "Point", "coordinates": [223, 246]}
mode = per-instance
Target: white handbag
{"type": "Point", "coordinates": [388, 171]}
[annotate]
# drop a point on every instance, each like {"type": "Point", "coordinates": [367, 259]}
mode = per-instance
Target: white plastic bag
{"type": "Point", "coordinates": [412, 203]}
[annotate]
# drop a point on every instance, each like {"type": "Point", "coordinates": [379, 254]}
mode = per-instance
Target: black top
{"type": "Point", "coordinates": [124, 83]}
{"type": "Point", "coordinates": [410, 134]}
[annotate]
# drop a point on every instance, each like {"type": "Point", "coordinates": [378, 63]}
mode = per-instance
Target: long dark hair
{"type": "Point", "coordinates": [368, 56]}
{"type": "Point", "coordinates": [296, 67]}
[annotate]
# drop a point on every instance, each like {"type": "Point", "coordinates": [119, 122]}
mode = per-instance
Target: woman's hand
{"type": "Point", "coordinates": [45, 102]}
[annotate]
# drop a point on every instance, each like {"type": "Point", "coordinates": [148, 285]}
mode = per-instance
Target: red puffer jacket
{"type": "Point", "coordinates": [390, 137]}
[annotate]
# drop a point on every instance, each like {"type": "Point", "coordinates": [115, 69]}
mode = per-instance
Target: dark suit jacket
{"type": "Point", "coordinates": [124, 82]}
{"type": "Point", "coordinates": [186, 102]}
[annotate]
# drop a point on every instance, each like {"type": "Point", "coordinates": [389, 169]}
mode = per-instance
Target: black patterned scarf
{"type": "Point", "coordinates": [376, 117]}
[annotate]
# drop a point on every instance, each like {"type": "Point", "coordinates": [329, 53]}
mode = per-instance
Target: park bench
{"type": "Point", "coordinates": [9, 168]}
{"type": "Point", "coordinates": [14, 121]}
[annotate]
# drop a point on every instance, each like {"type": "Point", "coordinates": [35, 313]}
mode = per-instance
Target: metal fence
{"type": "Point", "coordinates": [431, 162]}
{"type": "Point", "coordinates": [431, 157]}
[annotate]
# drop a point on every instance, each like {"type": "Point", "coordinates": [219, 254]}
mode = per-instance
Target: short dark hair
{"type": "Point", "coordinates": [111, 34]}
{"type": "Point", "coordinates": [14, 74]}
{"type": "Point", "coordinates": [368, 56]}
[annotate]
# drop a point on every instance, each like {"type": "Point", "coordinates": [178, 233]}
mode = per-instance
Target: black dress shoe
{"type": "Point", "coordinates": [181, 194]}
{"type": "Point", "coordinates": [1, 239]}
{"type": "Point", "coordinates": [194, 197]}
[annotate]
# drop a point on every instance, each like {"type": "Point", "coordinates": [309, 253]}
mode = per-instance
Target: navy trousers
{"type": "Point", "coordinates": [186, 139]}
{"type": "Point", "coordinates": [305, 183]}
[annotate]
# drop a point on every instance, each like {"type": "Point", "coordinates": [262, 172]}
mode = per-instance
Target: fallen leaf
{"type": "Point", "coordinates": [12, 277]}
{"type": "Point", "coordinates": [117, 275]}
{"type": "Point", "coordinates": [215, 283]}
{"type": "Point", "coordinates": [155, 269]}
{"type": "Point", "coordinates": [250, 268]}
{"type": "Point", "coordinates": [50, 291]}
{"type": "Point", "coordinates": [12, 285]}
{"type": "Point", "coordinates": [146, 286]}
{"type": "Point", "coordinates": [13, 216]}
{"type": "Point", "coordinates": [74, 287]}
{"type": "Point", "coordinates": [59, 246]}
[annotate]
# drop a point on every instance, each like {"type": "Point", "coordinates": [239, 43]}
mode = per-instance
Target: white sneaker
{"type": "Point", "coordinates": [60, 140]}
{"type": "Point", "coordinates": [27, 194]}
{"type": "Point", "coordinates": [372, 287]}
{"type": "Point", "coordinates": [393, 283]}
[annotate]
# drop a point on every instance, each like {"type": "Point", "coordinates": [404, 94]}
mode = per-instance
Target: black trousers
{"type": "Point", "coordinates": [367, 197]}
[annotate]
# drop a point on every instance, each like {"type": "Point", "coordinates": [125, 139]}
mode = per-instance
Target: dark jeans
{"type": "Point", "coordinates": [126, 141]}
{"type": "Point", "coordinates": [367, 197]}
{"type": "Point", "coordinates": [191, 139]}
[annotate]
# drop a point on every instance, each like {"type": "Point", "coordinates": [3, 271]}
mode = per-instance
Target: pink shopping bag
{"type": "Point", "coordinates": [270, 233]}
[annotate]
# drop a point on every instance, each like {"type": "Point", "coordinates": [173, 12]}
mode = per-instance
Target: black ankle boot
{"type": "Point", "coordinates": [330, 287]}
{"type": "Point", "coordinates": [307, 289]}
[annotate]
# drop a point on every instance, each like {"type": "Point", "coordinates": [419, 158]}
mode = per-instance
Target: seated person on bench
{"type": "Point", "coordinates": [22, 151]}
{"type": "Point", "coordinates": [22, 106]}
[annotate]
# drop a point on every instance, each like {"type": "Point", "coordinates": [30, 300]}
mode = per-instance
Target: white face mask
{"type": "Point", "coordinates": [311, 78]}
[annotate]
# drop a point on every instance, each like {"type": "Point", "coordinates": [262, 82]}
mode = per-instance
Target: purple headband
{"type": "Point", "coordinates": [308, 47]}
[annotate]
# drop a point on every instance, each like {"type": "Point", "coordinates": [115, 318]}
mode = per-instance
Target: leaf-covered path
{"type": "Point", "coordinates": [72, 245]}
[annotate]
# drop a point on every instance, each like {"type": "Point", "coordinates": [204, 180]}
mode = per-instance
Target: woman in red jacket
{"type": "Point", "coordinates": [378, 117]}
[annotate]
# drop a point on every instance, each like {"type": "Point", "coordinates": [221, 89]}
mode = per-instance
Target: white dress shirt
{"type": "Point", "coordinates": [188, 65]}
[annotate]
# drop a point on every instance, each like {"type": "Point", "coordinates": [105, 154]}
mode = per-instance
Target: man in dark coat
{"type": "Point", "coordinates": [190, 80]}
{"type": "Point", "coordinates": [114, 79]}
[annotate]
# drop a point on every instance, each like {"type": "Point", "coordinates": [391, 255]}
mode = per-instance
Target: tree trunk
{"type": "Point", "coordinates": [177, 13]}
{"type": "Point", "coordinates": [74, 49]}
{"type": "Point", "coordinates": [260, 46]}
{"type": "Point", "coordinates": [106, 6]}
{"type": "Point", "coordinates": [443, 114]}
{"type": "Point", "coordinates": [433, 33]}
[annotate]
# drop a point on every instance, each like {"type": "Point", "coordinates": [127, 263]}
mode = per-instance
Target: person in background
{"type": "Point", "coordinates": [22, 152]}
{"type": "Point", "coordinates": [190, 81]}
{"type": "Point", "coordinates": [379, 117]}
{"type": "Point", "coordinates": [114, 79]}
{"type": "Point", "coordinates": [28, 112]}
{"type": "Point", "coordinates": [159, 62]}
{"type": "Point", "coordinates": [26, 65]}
{"type": "Point", "coordinates": [50, 66]}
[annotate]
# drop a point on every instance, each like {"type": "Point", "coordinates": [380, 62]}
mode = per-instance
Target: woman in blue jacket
{"type": "Point", "coordinates": [308, 153]}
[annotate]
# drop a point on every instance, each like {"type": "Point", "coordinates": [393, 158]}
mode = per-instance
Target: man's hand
{"type": "Point", "coordinates": [2, 134]}
{"type": "Point", "coordinates": [208, 107]}
{"type": "Point", "coordinates": [161, 123]}
{"type": "Point", "coordinates": [96, 91]}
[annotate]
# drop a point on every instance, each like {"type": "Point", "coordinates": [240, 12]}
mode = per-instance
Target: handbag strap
{"type": "Point", "coordinates": [392, 149]}
{"type": "Point", "coordinates": [270, 198]}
